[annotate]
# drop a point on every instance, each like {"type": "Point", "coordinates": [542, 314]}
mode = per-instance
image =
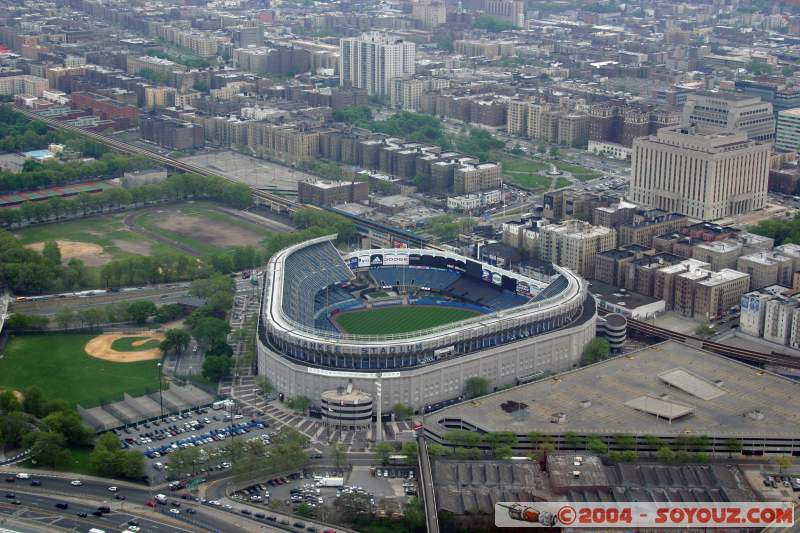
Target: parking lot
{"type": "Point", "coordinates": [206, 428]}
{"type": "Point", "coordinates": [385, 488]}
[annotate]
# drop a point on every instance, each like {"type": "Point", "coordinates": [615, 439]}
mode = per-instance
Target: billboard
{"type": "Point", "coordinates": [497, 279]}
{"type": "Point", "coordinates": [523, 288]}
{"type": "Point", "coordinates": [353, 263]}
{"type": "Point", "coordinates": [376, 260]}
{"type": "Point", "coordinates": [363, 261]}
{"type": "Point", "coordinates": [486, 275]}
{"type": "Point", "coordinates": [395, 260]}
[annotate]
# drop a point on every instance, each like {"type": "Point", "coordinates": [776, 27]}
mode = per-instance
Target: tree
{"type": "Point", "coordinates": [574, 440]}
{"type": "Point", "coordinates": [468, 454]}
{"type": "Point", "coordinates": [23, 322]}
{"type": "Point", "coordinates": [265, 385]}
{"type": "Point", "coordinates": [168, 313]}
{"type": "Point", "coordinates": [503, 452]}
{"type": "Point", "coordinates": [410, 449]}
{"type": "Point", "coordinates": [140, 311]}
{"type": "Point", "coordinates": [476, 386]}
{"type": "Point", "coordinates": [175, 341]}
{"type": "Point", "coordinates": [596, 445]}
{"type": "Point", "coordinates": [666, 454]}
{"type": "Point", "coordinates": [784, 462]}
{"type": "Point", "coordinates": [383, 450]}
{"type": "Point", "coordinates": [65, 317]}
{"type": "Point", "coordinates": [209, 329]}
{"type": "Point", "coordinates": [402, 411]}
{"type": "Point", "coordinates": [69, 423]}
{"type": "Point", "coordinates": [216, 367]}
{"type": "Point", "coordinates": [544, 449]}
{"type": "Point", "coordinates": [554, 151]}
{"type": "Point", "coordinates": [51, 252]}
{"type": "Point", "coordinates": [48, 448]}
{"type": "Point", "coordinates": [460, 437]}
{"type": "Point", "coordinates": [184, 461]}
{"type": "Point", "coordinates": [339, 453]}
{"type": "Point", "coordinates": [13, 428]}
{"type": "Point", "coordinates": [299, 404]}
{"type": "Point", "coordinates": [33, 401]}
{"type": "Point", "coordinates": [436, 450]}
{"type": "Point", "coordinates": [305, 510]}
{"type": "Point", "coordinates": [91, 317]}
{"type": "Point", "coordinates": [9, 402]}
{"type": "Point", "coordinates": [597, 350]}
{"type": "Point", "coordinates": [497, 439]}
{"type": "Point", "coordinates": [733, 446]}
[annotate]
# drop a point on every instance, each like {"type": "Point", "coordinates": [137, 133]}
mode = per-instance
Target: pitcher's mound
{"type": "Point", "coordinates": [101, 347]}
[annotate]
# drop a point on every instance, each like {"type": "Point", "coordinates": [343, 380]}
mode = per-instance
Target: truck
{"type": "Point", "coordinates": [221, 404]}
{"type": "Point", "coordinates": [331, 482]}
{"type": "Point", "coordinates": [162, 499]}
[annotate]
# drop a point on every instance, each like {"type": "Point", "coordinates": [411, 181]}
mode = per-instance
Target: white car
{"type": "Point", "coordinates": [175, 511]}
{"type": "Point", "coordinates": [112, 489]}
{"type": "Point", "coordinates": [23, 475]}
{"type": "Point", "coordinates": [76, 483]}
{"type": "Point", "coordinates": [134, 528]}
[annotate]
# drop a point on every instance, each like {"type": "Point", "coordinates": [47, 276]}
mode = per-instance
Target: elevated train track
{"type": "Point", "coordinates": [742, 354]}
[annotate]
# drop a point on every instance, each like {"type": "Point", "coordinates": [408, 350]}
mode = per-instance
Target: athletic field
{"type": "Point", "coordinates": [399, 319]}
{"type": "Point", "coordinates": [60, 366]}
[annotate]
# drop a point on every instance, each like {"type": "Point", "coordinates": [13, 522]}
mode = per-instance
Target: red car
{"type": "Point", "coordinates": [151, 503]}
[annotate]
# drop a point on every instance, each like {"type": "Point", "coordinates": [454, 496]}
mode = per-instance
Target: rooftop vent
{"type": "Point", "coordinates": [511, 406]}
{"type": "Point", "coordinates": [755, 414]}
{"type": "Point", "coordinates": [586, 403]}
{"type": "Point", "coordinates": [558, 418]}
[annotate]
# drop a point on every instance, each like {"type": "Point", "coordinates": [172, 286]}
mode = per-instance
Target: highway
{"type": "Point", "coordinates": [94, 491]}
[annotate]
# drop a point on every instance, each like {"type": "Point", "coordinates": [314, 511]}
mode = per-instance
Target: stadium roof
{"type": "Point", "coordinates": [687, 391]}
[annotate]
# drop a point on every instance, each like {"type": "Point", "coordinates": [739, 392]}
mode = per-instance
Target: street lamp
{"type": "Point", "coordinates": [161, 388]}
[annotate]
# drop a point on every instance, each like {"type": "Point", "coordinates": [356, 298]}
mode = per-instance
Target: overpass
{"type": "Point", "coordinates": [5, 299]}
{"type": "Point", "coordinates": [261, 198]}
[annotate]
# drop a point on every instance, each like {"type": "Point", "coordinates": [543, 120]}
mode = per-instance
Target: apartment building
{"type": "Point", "coordinates": [430, 13]}
{"type": "Point", "coordinates": [643, 231]}
{"type": "Point", "coordinates": [731, 112]}
{"type": "Point", "coordinates": [767, 268]}
{"type": "Point", "coordinates": [719, 254]}
{"type": "Point", "coordinates": [787, 136]}
{"type": "Point", "coordinates": [373, 60]}
{"type": "Point", "coordinates": [406, 92]}
{"type": "Point", "coordinates": [487, 48]}
{"type": "Point", "coordinates": [575, 244]}
{"type": "Point", "coordinates": [163, 67]}
{"type": "Point", "coordinates": [29, 85]}
{"type": "Point", "coordinates": [327, 193]}
{"type": "Point", "coordinates": [477, 177]}
{"type": "Point", "coordinates": [707, 174]}
{"type": "Point", "coordinates": [778, 317]}
{"type": "Point", "coordinates": [709, 295]}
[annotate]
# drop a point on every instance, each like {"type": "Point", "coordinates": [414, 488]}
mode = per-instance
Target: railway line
{"type": "Point", "coordinates": [742, 354]}
{"type": "Point", "coordinates": [262, 198]}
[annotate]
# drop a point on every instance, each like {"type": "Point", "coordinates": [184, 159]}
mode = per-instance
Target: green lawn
{"type": "Point", "coordinates": [400, 319]}
{"type": "Point", "coordinates": [125, 344]}
{"type": "Point", "coordinates": [579, 172]}
{"type": "Point", "coordinates": [59, 365]}
{"type": "Point", "coordinates": [523, 171]}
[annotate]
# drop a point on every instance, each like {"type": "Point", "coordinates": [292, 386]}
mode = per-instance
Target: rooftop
{"type": "Point", "coordinates": [611, 384]}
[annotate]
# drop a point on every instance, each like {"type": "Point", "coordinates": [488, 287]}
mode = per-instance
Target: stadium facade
{"type": "Point", "coordinates": [526, 328]}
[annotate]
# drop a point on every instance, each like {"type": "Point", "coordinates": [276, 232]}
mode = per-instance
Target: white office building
{"type": "Point", "coordinates": [731, 112]}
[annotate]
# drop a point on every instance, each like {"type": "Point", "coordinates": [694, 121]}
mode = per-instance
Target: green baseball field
{"type": "Point", "coordinates": [60, 366]}
{"type": "Point", "coordinates": [399, 319]}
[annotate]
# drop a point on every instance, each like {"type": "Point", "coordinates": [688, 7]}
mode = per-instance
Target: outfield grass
{"type": "Point", "coordinates": [125, 344]}
{"type": "Point", "coordinates": [59, 365]}
{"type": "Point", "coordinates": [399, 319]}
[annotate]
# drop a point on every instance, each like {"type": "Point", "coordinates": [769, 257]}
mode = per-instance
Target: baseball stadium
{"type": "Point", "coordinates": [413, 325]}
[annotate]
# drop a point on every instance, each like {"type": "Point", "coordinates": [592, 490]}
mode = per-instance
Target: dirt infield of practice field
{"type": "Point", "coordinates": [90, 254]}
{"type": "Point", "coordinates": [100, 347]}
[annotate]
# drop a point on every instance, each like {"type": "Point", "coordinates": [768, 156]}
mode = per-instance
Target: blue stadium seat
{"type": "Point", "coordinates": [307, 272]}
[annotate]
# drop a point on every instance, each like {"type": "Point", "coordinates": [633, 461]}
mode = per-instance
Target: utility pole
{"type": "Point", "coordinates": [161, 387]}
